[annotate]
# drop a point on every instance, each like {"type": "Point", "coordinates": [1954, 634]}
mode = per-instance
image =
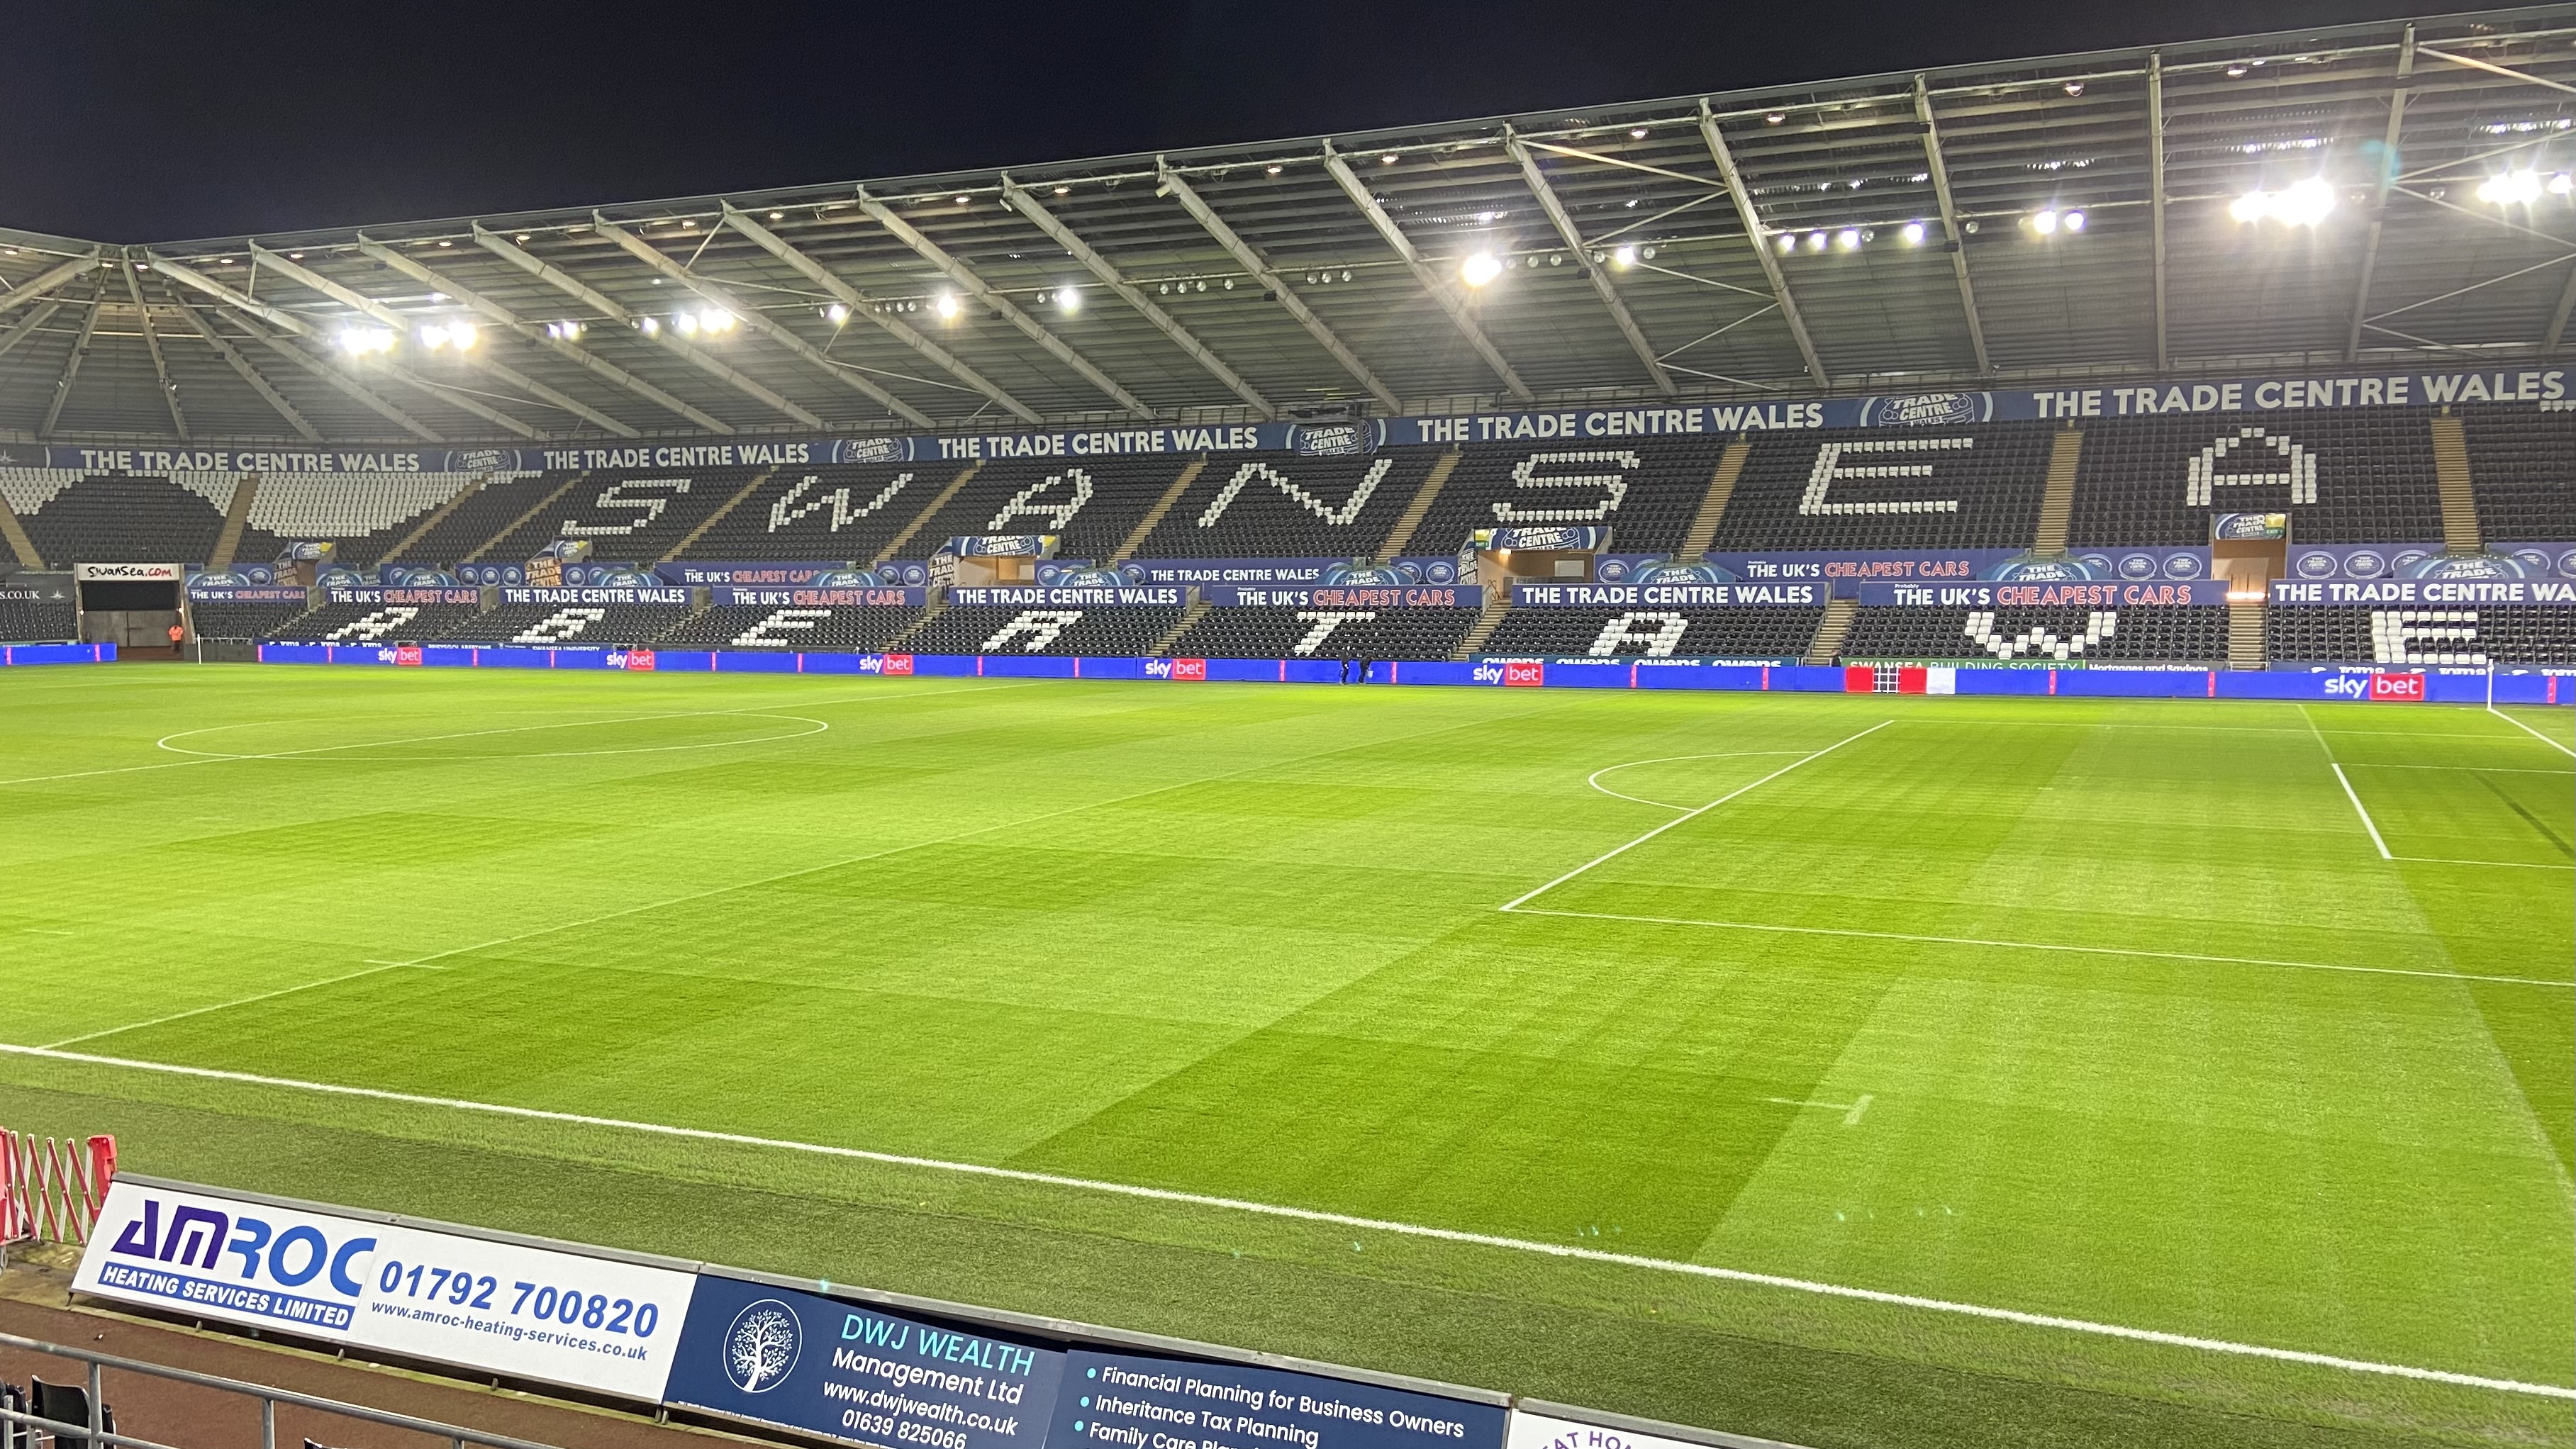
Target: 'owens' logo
{"type": "Point", "coordinates": [760, 1349]}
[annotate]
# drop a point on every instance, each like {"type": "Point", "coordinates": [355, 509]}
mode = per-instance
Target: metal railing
{"type": "Point", "coordinates": [97, 1433]}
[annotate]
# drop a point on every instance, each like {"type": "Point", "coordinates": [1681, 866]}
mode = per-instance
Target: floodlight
{"type": "Point", "coordinates": [836, 314]}
{"type": "Point", "coordinates": [715, 319]}
{"type": "Point", "coordinates": [947, 305]}
{"type": "Point", "coordinates": [1387, 160]}
{"type": "Point", "coordinates": [1479, 269]}
{"type": "Point", "coordinates": [2514, 188]}
{"type": "Point", "coordinates": [461, 334]}
{"type": "Point", "coordinates": [2074, 220]}
{"type": "Point", "coordinates": [2307, 202]}
{"type": "Point", "coordinates": [2561, 184]}
{"type": "Point", "coordinates": [687, 322]}
{"type": "Point", "coordinates": [1914, 233]}
{"type": "Point", "coordinates": [1069, 299]}
{"type": "Point", "coordinates": [2043, 222]}
{"type": "Point", "coordinates": [650, 326]}
{"type": "Point", "coordinates": [1624, 257]}
{"type": "Point", "coordinates": [1788, 243]}
{"type": "Point", "coordinates": [1847, 238]}
{"type": "Point", "coordinates": [1636, 133]}
{"type": "Point", "coordinates": [1815, 241]}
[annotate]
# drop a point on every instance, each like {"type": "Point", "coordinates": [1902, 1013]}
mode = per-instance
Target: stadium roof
{"type": "Point", "coordinates": [2010, 222]}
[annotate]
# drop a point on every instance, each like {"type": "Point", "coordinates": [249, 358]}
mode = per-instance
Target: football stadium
{"type": "Point", "coordinates": [1879, 763]}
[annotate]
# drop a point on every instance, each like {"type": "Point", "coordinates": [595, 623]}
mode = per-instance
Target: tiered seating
{"type": "Point", "coordinates": [2499, 634]}
{"type": "Point", "coordinates": [374, 623]}
{"type": "Point", "coordinates": [1260, 633]}
{"type": "Point", "coordinates": [38, 610]}
{"type": "Point", "coordinates": [846, 511]}
{"type": "Point", "coordinates": [1093, 503]}
{"type": "Point", "coordinates": [1733, 633]}
{"type": "Point", "coordinates": [229, 619]}
{"type": "Point", "coordinates": [367, 513]}
{"type": "Point", "coordinates": [2194, 634]}
{"type": "Point", "coordinates": [634, 516]}
{"type": "Point", "coordinates": [583, 626]}
{"type": "Point", "coordinates": [1645, 490]}
{"type": "Point", "coordinates": [119, 518]}
{"type": "Point", "coordinates": [1280, 505]}
{"type": "Point", "coordinates": [1867, 488]}
{"type": "Point", "coordinates": [2522, 469]}
{"type": "Point", "coordinates": [855, 628]}
{"type": "Point", "coordinates": [472, 523]}
{"type": "Point", "coordinates": [1118, 631]}
{"type": "Point", "coordinates": [2348, 477]}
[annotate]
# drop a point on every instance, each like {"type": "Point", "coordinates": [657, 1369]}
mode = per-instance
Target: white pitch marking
{"type": "Point", "coordinates": [218, 1006]}
{"type": "Point", "coordinates": [2526, 729]}
{"type": "Point", "coordinates": [819, 727]}
{"type": "Point", "coordinates": [2037, 946]}
{"type": "Point", "coordinates": [2366, 822]}
{"type": "Point", "coordinates": [1851, 1110]}
{"type": "Point", "coordinates": [2468, 769]}
{"type": "Point", "coordinates": [2503, 864]}
{"type": "Point", "coordinates": [1343, 1220]}
{"type": "Point", "coordinates": [1594, 779]}
{"type": "Point", "coordinates": [1685, 818]}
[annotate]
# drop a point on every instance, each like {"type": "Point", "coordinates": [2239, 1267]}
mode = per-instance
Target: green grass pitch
{"type": "Point", "coordinates": [2310, 1084]}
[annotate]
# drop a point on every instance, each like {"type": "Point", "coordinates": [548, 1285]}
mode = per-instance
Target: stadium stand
{"type": "Point", "coordinates": [1280, 633]}
{"type": "Point", "coordinates": [233, 619]}
{"type": "Point", "coordinates": [635, 516]}
{"type": "Point", "coordinates": [1117, 631]}
{"type": "Point", "coordinates": [855, 628]}
{"type": "Point", "coordinates": [366, 513]}
{"type": "Point", "coordinates": [475, 521]}
{"type": "Point", "coordinates": [847, 511]}
{"type": "Point", "coordinates": [1732, 633]}
{"type": "Point", "coordinates": [2358, 476]}
{"type": "Point", "coordinates": [583, 625]}
{"type": "Point", "coordinates": [2522, 467]}
{"type": "Point", "coordinates": [2165, 634]}
{"type": "Point", "coordinates": [2501, 634]}
{"type": "Point", "coordinates": [374, 623]}
{"type": "Point", "coordinates": [1645, 490]}
{"type": "Point", "coordinates": [1280, 505]}
{"type": "Point", "coordinates": [1877, 488]}
{"type": "Point", "coordinates": [120, 517]}
{"type": "Point", "coordinates": [1092, 504]}
{"type": "Point", "coordinates": [38, 609]}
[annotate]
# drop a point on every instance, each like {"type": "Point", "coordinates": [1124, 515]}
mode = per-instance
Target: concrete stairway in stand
{"type": "Point", "coordinates": [1400, 535]}
{"type": "Point", "coordinates": [2459, 503]}
{"type": "Point", "coordinates": [236, 518]}
{"type": "Point", "coordinates": [1831, 631]}
{"type": "Point", "coordinates": [2057, 504]}
{"type": "Point", "coordinates": [1712, 506]}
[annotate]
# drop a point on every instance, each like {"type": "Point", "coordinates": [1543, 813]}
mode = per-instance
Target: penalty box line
{"type": "Point", "coordinates": [1516, 902]}
{"type": "Point", "coordinates": [1342, 1220]}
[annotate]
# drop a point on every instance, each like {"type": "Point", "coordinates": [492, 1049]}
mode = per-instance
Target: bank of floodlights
{"type": "Point", "coordinates": [2304, 203]}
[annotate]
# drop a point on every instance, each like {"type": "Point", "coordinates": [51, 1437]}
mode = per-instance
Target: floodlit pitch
{"type": "Point", "coordinates": [1825, 1068]}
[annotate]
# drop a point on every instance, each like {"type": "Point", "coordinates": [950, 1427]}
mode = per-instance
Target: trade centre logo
{"type": "Point", "coordinates": [760, 1348]}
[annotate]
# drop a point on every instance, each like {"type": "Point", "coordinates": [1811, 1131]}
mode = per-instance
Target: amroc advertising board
{"type": "Point", "coordinates": [498, 1307]}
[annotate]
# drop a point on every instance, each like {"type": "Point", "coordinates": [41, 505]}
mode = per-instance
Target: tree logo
{"type": "Point", "coordinates": [760, 1348]}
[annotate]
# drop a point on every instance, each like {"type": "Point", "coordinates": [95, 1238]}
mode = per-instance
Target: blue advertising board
{"type": "Point", "coordinates": [1667, 596]}
{"type": "Point", "coordinates": [2432, 593]}
{"type": "Point", "coordinates": [1127, 1401]}
{"type": "Point", "coordinates": [1036, 596]}
{"type": "Point", "coordinates": [825, 1366]}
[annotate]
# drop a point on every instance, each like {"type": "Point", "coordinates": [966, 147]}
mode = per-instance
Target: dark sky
{"type": "Point", "coordinates": [156, 122]}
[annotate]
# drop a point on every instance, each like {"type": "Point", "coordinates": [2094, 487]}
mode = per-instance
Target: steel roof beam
{"type": "Point", "coordinates": [861, 305]}
{"type": "Point", "coordinates": [152, 344]}
{"type": "Point", "coordinates": [10, 339]}
{"type": "Point", "coordinates": [2379, 195]}
{"type": "Point", "coordinates": [1758, 237]}
{"type": "Point", "coordinates": [1273, 283]}
{"type": "Point", "coordinates": [1430, 281]}
{"type": "Point", "coordinates": [46, 281]}
{"type": "Point", "coordinates": [1955, 238]}
{"type": "Point", "coordinates": [2156, 196]}
{"type": "Point", "coordinates": [1573, 238]}
{"type": "Point", "coordinates": [249, 374]}
{"type": "Point", "coordinates": [1028, 206]}
{"type": "Point", "coordinates": [245, 308]}
{"type": "Point", "coordinates": [401, 323]}
{"type": "Point", "coordinates": [982, 291]}
{"type": "Point", "coordinates": [769, 327]}
{"type": "Point", "coordinates": [580, 291]}
{"type": "Point", "coordinates": [536, 336]}
{"type": "Point", "coordinates": [72, 364]}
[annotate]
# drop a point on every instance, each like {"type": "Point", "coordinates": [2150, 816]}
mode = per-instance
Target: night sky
{"type": "Point", "coordinates": [139, 122]}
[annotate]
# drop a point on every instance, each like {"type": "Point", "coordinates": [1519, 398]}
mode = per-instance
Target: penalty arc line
{"type": "Point", "coordinates": [2214, 960]}
{"type": "Point", "coordinates": [1341, 1220]}
{"type": "Point", "coordinates": [1686, 817]}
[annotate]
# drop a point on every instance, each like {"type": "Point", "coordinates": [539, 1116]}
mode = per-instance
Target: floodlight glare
{"type": "Point", "coordinates": [1815, 241]}
{"type": "Point", "coordinates": [1624, 257]}
{"type": "Point", "coordinates": [2307, 202]}
{"type": "Point", "coordinates": [461, 335]}
{"type": "Point", "coordinates": [1847, 238]}
{"type": "Point", "coordinates": [836, 314]}
{"type": "Point", "coordinates": [1788, 243]}
{"type": "Point", "coordinates": [1069, 298]}
{"type": "Point", "coordinates": [687, 322]}
{"type": "Point", "coordinates": [2561, 184]}
{"type": "Point", "coordinates": [1913, 233]}
{"type": "Point", "coordinates": [2514, 188]}
{"type": "Point", "coordinates": [2044, 222]}
{"type": "Point", "coordinates": [946, 306]}
{"type": "Point", "coordinates": [715, 319]}
{"type": "Point", "coordinates": [2074, 220]}
{"type": "Point", "coordinates": [650, 326]}
{"type": "Point", "coordinates": [1479, 269]}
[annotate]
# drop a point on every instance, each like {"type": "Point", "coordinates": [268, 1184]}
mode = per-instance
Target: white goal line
{"type": "Point", "coordinates": [1348, 1220]}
